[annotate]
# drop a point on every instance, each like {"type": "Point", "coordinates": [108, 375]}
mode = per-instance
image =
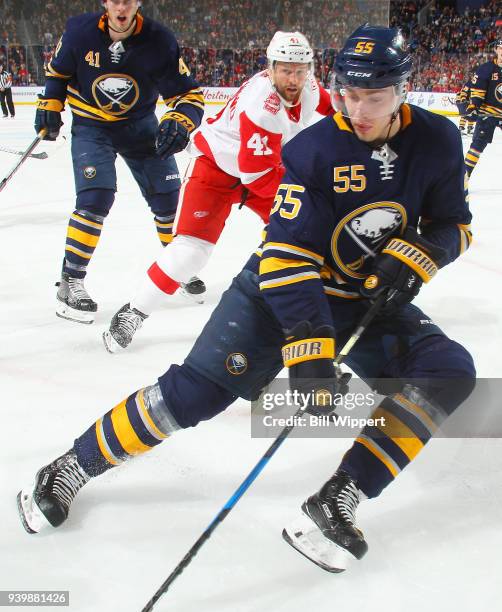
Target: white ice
{"type": "Point", "coordinates": [434, 535]}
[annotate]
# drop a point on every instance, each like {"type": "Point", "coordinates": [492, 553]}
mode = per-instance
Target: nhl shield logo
{"type": "Point", "coordinates": [115, 93]}
{"type": "Point", "coordinates": [237, 363]}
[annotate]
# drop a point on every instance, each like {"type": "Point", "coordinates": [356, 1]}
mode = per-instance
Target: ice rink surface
{"type": "Point", "coordinates": [434, 535]}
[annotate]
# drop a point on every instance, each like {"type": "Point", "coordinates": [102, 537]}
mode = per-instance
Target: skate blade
{"type": "Point", "coordinates": [305, 537]}
{"type": "Point", "coordinates": [63, 311]}
{"type": "Point", "coordinates": [111, 345]}
{"type": "Point", "coordinates": [31, 516]}
{"type": "Point", "coordinates": [198, 298]}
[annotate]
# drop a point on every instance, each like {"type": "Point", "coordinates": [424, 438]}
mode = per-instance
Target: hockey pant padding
{"type": "Point", "coordinates": [133, 427]}
{"type": "Point", "coordinates": [96, 201]}
{"type": "Point", "coordinates": [405, 421]}
{"type": "Point", "coordinates": [184, 258]}
{"type": "Point", "coordinates": [191, 397]}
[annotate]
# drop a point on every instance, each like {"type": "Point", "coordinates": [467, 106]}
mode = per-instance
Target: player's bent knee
{"type": "Point", "coordinates": [95, 201]}
{"type": "Point", "coordinates": [185, 257]}
{"type": "Point", "coordinates": [163, 204]}
{"type": "Point", "coordinates": [190, 397]}
{"type": "Point", "coordinates": [447, 369]}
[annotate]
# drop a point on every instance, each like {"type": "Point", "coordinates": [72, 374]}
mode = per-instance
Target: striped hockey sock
{"type": "Point", "coordinates": [404, 423]}
{"type": "Point", "coordinates": [84, 230]}
{"type": "Point", "coordinates": [133, 427]}
{"type": "Point", "coordinates": [164, 227]}
{"type": "Point", "coordinates": [471, 159]}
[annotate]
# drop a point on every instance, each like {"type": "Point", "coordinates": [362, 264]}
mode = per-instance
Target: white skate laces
{"type": "Point", "coordinates": [347, 501]}
{"type": "Point", "coordinates": [129, 321]}
{"type": "Point", "coordinates": [77, 289]}
{"type": "Point", "coordinates": [68, 482]}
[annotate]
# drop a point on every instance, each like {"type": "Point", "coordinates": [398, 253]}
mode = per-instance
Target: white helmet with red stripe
{"type": "Point", "coordinates": [289, 47]}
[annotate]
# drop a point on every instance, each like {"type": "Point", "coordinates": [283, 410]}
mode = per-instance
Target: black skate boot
{"type": "Point", "coordinates": [194, 289]}
{"type": "Point", "coordinates": [327, 533]}
{"type": "Point", "coordinates": [46, 503]}
{"type": "Point", "coordinates": [74, 303]}
{"type": "Point", "coordinates": [124, 325]}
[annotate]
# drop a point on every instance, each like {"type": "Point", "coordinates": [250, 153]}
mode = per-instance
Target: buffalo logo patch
{"type": "Point", "coordinates": [236, 363]}
{"type": "Point", "coordinates": [115, 94]}
{"type": "Point", "coordinates": [361, 234]}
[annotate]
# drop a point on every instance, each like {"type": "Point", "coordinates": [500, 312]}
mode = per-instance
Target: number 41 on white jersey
{"type": "Point", "coordinates": [260, 144]}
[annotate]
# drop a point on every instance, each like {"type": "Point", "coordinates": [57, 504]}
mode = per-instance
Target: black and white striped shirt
{"type": "Point", "coordinates": [5, 80]}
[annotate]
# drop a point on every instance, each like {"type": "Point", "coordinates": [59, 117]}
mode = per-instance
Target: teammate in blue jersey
{"type": "Point", "coordinates": [372, 201]}
{"type": "Point", "coordinates": [485, 106]}
{"type": "Point", "coordinates": [462, 100]}
{"type": "Point", "coordinates": [110, 69]}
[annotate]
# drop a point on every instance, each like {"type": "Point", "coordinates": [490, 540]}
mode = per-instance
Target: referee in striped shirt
{"type": "Point", "coordinates": [6, 93]}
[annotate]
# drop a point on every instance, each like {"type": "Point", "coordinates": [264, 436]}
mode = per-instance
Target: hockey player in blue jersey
{"type": "Point", "coordinates": [110, 69]}
{"type": "Point", "coordinates": [372, 201]}
{"type": "Point", "coordinates": [462, 100]}
{"type": "Point", "coordinates": [485, 106]}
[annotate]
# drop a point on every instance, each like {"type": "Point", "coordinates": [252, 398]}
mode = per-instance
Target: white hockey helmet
{"type": "Point", "coordinates": [289, 47]}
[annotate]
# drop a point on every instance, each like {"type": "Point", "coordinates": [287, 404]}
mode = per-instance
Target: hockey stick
{"type": "Point", "coordinates": [42, 155]}
{"type": "Point", "coordinates": [24, 157]}
{"type": "Point", "coordinates": [253, 474]}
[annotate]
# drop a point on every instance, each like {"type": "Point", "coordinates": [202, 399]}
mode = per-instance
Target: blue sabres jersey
{"type": "Point", "coordinates": [486, 90]}
{"type": "Point", "coordinates": [107, 82]}
{"type": "Point", "coordinates": [340, 201]}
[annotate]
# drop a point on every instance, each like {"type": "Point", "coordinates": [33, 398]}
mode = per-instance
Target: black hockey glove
{"type": "Point", "coordinates": [400, 269]}
{"type": "Point", "coordinates": [173, 134]}
{"type": "Point", "coordinates": [309, 356]}
{"type": "Point", "coordinates": [48, 117]}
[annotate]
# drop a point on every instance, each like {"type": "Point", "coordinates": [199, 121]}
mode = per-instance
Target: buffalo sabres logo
{"type": "Point", "coordinates": [115, 93]}
{"type": "Point", "coordinates": [237, 363]}
{"type": "Point", "coordinates": [498, 92]}
{"type": "Point", "coordinates": [361, 234]}
{"type": "Point", "coordinates": [89, 172]}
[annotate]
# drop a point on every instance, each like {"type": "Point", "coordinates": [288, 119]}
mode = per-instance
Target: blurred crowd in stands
{"type": "Point", "coordinates": [447, 45]}
{"type": "Point", "coordinates": [225, 42]}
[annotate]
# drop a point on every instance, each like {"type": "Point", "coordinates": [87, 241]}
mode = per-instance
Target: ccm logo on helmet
{"type": "Point", "coordinates": [358, 74]}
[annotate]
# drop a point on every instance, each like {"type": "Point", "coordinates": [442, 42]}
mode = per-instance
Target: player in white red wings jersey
{"type": "Point", "coordinates": [246, 136]}
{"type": "Point", "coordinates": [236, 158]}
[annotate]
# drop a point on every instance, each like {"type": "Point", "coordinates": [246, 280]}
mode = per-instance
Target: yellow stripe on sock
{"type": "Point", "coordinates": [125, 433]}
{"type": "Point", "coordinates": [78, 252]}
{"type": "Point", "coordinates": [378, 455]}
{"type": "Point", "coordinates": [85, 221]}
{"type": "Point", "coordinates": [82, 237]}
{"type": "Point", "coordinates": [419, 411]}
{"type": "Point", "coordinates": [399, 433]}
{"type": "Point", "coordinates": [101, 444]}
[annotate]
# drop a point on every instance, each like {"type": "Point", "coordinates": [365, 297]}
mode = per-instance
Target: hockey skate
{"type": "Point", "coordinates": [46, 503]}
{"type": "Point", "coordinates": [73, 301]}
{"type": "Point", "coordinates": [327, 533]}
{"type": "Point", "coordinates": [194, 289]}
{"type": "Point", "coordinates": [124, 325]}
